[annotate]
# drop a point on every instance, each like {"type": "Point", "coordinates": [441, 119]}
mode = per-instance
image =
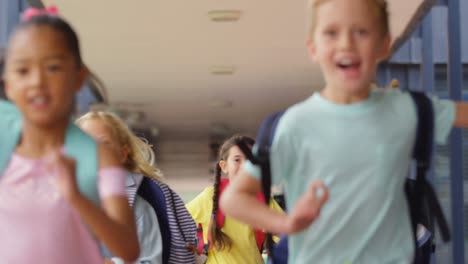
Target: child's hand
{"type": "Point", "coordinates": [63, 170]}
{"type": "Point", "coordinates": [307, 208]}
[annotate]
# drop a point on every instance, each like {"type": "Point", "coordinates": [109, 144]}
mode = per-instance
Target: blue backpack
{"type": "Point", "coordinates": [78, 145]}
{"type": "Point", "coordinates": [176, 225]}
{"type": "Point", "coordinates": [422, 200]}
{"type": "Point", "coordinates": [178, 229]}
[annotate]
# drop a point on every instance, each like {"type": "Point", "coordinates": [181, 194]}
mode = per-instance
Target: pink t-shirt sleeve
{"type": "Point", "coordinates": [112, 182]}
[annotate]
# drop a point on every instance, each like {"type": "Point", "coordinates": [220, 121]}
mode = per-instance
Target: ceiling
{"type": "Point", "coordinates": [155, 56]}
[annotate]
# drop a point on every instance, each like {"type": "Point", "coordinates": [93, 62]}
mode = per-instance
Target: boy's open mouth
{"type": "Point", "coordinates": [349, 67]}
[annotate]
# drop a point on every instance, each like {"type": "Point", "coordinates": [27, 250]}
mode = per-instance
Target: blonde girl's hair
{"type": "Point", "coordinates": [141, 158]}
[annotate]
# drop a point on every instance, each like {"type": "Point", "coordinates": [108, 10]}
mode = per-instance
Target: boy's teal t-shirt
{"type": "Point", "coordinates": [362, 152]}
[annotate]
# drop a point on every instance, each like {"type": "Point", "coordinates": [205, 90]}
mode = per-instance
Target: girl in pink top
{"type": "Point", "coordinates": [43, 216]}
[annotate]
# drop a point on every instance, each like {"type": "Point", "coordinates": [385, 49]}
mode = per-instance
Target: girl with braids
{"type": "Point", "coordinates": [228, 241]}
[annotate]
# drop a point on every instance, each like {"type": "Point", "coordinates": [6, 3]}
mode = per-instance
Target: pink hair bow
{"type": "Point", "coordinates": [32, 12]}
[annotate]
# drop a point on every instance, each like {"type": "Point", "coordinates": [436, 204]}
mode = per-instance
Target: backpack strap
{"type": "Point", "coordinates": [264, 141]}
{"type": "Point", "coordinates": [178, 230]}
{"type": "Point", "coordinates": [153, 194]}
{"type": "Point", "coordinates": [77, 145]}
{"type": "Point", "coordinates": [422, 199]}
{"type": "Point", "coordinates": [83, 149]}
{"type": "Point", "coordinates": [281, 252]}
{"type": "Point", "coordinates": [189, 244]}
{"type": "Point", "coordinates": [422, 151]}
{"type": "Point", "coordinates": [202, 247]}
{"type": "Point", "coordinates": [10, 125]}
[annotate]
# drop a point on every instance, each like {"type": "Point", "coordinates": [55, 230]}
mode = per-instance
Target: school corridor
{"type": "Point", "coordinates": [186, 75]}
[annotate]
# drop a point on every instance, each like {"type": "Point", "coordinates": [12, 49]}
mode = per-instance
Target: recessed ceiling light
{"type": "Point", "coordinates": [220, 103]}
{"type": "Point", "coordinates": [223, 70]}
{"type": "Point", "coordinates": [224, 15]}
{"type": "Point", "coordinates": [220, 129]}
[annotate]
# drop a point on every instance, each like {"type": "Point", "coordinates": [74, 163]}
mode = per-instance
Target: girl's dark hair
{"type": "Point", "coordinates": [219, 239]}
{"type": "Point", "coordinates": [59, 25]}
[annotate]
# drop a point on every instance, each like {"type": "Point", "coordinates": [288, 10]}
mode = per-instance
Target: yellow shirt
{"type": "Point", "coordinates": [244, 246]}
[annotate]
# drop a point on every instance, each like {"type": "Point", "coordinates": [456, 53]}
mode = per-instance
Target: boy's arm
{"type": "Point", "coordinates": [239, 201]}
{"type": "Point", "coordinates": [461, 115]}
